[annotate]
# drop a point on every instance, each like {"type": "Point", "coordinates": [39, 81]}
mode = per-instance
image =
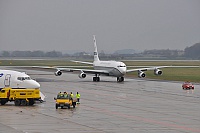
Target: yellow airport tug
{"type": "Point", "coordinates": [65, 100]}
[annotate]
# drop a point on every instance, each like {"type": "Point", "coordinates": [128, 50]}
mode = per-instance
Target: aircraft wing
{"type": "Point", "coordinates": [146, 68]}
{"type": "Point", "coordinates": [48, 68]}
{"type": "Point", "coordinates": [66, 69]}
{"type": "Point", "coordinates": [89, 63]}
{"type": "Point", "coordinates": [157, 67]}
{"type": "Point", "coordinates": [91, 71]}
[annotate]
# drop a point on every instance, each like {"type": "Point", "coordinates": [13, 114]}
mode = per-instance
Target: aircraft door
{"type": "Point", "coordinates": [7, 80]}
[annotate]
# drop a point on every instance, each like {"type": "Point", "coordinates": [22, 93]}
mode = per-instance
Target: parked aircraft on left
{"type": "Point", "coordinates": [15, 79]}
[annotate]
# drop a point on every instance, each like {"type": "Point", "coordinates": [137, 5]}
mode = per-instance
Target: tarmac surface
{"type": "Point", "coordinates": [134, 106]}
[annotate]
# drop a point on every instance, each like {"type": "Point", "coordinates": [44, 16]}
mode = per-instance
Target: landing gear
{"type": "Point", "coordinates": [120, 79]}
{"type": "Point", "coordinates": [96, 78]}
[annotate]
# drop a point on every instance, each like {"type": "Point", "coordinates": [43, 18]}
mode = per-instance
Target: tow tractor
{"type": "Point", "coordinates": [65, 100]}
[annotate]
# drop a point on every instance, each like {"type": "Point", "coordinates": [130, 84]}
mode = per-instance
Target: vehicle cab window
{"type": "Point", "coordinates": [3, 91]}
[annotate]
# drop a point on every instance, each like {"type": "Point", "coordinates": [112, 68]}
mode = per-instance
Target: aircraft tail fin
{"type": "Point", "coordinates": [96, 57]}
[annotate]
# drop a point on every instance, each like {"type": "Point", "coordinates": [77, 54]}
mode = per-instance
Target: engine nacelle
{"type": "Point", "coordinates": [58, 73]}
{"type": "Point", "coordinates": [158, 72]}
{"type": "Point", "coordinates": [82, 75]}
{"type": "Point", "coordinates": [141, 74]}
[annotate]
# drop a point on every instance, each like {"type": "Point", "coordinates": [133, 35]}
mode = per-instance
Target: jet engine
{"type": "Point", "coordinates": [141, 74]}
{"type": "Point", "coordinates": [58, 73]}
{"type": "Point", "coordinates": [82, 75]}
{"type": "Point", "coordinates": [158, 72]}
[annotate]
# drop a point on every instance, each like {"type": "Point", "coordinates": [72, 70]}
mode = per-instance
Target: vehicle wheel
{"type": "Point", "coordinates": [68, 106]}
{"type": "Point", "coordinates": [61, 107]}
{"type": "Point", "coordinates": [23, 102]}
{"type": "Point", "coordinates": [17, 102]}
{"type": "Point", "coordinates": [31, 102]}
{"type": "Point", "coordinates": [3, 102]}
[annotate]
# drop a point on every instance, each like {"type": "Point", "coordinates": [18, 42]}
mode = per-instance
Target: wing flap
{"type": "Point", "coordinates": [157, 67]}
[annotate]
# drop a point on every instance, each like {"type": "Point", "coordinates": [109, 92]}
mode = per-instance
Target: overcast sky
{"type": "Point", "coordinates": [69, 25]}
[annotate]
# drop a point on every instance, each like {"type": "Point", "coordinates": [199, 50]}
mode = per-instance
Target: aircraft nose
{"type": "Point", "coordinates": [123, 70]}
{"type": "Point", "coordinates": [36, 84]}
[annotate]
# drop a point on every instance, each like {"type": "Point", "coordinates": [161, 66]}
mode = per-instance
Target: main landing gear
{"type": "Point", "coordinates": [96, 78]}
{"type": "Point", "coordinates": [120, 79]}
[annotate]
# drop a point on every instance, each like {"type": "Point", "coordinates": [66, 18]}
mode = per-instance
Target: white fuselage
{"type": "Point", "coordinates": [115, 68]}
{"type": "Point", "coordinates": [15, 79]}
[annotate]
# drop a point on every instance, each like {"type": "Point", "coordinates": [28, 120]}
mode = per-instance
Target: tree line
{"type": "Point", "coordinates": [31, 54]}
{"type": "Point", "coordinates": [192, 52]}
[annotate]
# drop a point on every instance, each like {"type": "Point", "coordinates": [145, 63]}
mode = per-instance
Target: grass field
{"type": "Point", "coordinates": [174, 74]}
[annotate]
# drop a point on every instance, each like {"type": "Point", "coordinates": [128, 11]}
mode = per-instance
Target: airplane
{"type": "Point", "coordinates": [108, 68]}
{"type": "Point", "coordinates": [15, 79]}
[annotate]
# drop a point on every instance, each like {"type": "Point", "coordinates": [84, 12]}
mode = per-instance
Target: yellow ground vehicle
{"type": "Point", "coordinates": [65, 100]}
{"type": "Point", "coordinates": [19, 96]}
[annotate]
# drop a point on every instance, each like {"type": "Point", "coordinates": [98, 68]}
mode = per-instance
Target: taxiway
{"type": "Point", "coordinates": [136, 105]}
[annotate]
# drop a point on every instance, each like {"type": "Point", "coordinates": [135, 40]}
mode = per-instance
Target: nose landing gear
{"type": "Point", "coordinates": [120, 79]}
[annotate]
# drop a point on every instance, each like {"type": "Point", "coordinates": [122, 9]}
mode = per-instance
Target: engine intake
{"type": "Point", "coordinates": [141, 74]}
{"type": "Point", "coordinates": [58, 73]}
{"type": "Point", "coordinates": [82, 75]}
{"type": "Point", "coordinates": [158, 72]}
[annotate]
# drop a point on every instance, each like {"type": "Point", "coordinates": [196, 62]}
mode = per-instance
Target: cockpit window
{"type": "Point", "coordinates": [23, 78]}
{"type": "Point", "coordinates": [27, 78]}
